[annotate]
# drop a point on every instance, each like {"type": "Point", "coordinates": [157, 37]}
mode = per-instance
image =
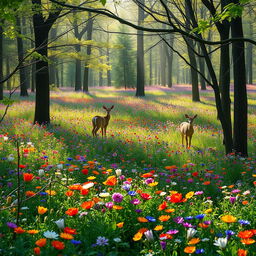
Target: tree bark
{"type": "Point", "coordinates": [1, 63]}
{"type": "Point", "coordinates": [249, 50]}
{"type": "Point", "coordinates": [170, 62]}
{"type": "Point", "coordinates": [140, 88]}
{"type": "Point", "coordinates": [240, 93]}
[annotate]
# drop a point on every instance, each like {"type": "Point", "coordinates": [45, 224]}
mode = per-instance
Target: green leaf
{"type": "Point", "coordinates": [103, 2]}
{"type": "Point", "coordinates": [6, 101]}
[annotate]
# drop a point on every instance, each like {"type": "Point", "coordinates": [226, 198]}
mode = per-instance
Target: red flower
{"type": "Point", "coordinates": [70, 231]}
{"type": "Point", "coordinates": [145, 196]}
{"type": "Point", "coordinates": [84, 192]}
{"type": "Point", "coordinates": [28, 176]}
{"type": "Point", "coordinates": [58, 245]}
{"type": "Point", "coordinates": [72, 211]}
{"type": "Point", "coordinates": [162, 206]}
{"type": "Point", "coordinates": [176, 198]}
{"type": "Point", "coordinates": [85, 171]}
{"type": "Point", "coordinates": [87, 205]}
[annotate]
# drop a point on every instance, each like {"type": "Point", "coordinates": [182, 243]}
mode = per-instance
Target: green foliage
{"type": "Point", "coordinates": [7, 101]}
{"type": "Point", "coordinates": [103, 2]}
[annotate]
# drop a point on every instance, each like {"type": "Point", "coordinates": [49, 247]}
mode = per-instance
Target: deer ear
{"type": "Point", "coordinates": [104, 107]}
{"type": "Point", "coordinates": [112, 107]}
{"type": "Point", "coordinates": [195, 116]}
{"type": "Point", "coordinates": [186, 116]}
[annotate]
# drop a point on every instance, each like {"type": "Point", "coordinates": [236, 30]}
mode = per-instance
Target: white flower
{"type": "Point", "coordinates": [60, 223]}
{"type": "Point", "coordinates": [30, 144]}
{"type": "Point", "coordinates": [118, 172]}
{"type": "Point", "coordinates": [5, 138]}
{"type": "Point", "coordinates": [117, 240]}
{"type": "Point", "coordinates": [60, 166]}
{"type": "Point", "coordinates": [205, 240]}
{"type": "Point", "coordinates": [40, 172]}
{"type": "Point", "coordinates": [10, 158]}
{"type": "Point", "coordinates": [24, 208]}
{"type": "Point", "coordinates": [88, 185]}
{"type": "Point", "coordinates": [191, 232]}
{"type": "Point", "coordinates": [104, 194]}
{"type": "Point", "coordinates": [173, 183]}
{"type": "Point", "coordinates": [177, 241]}
{"type": "Point", "coordinates": [221, 242]}
{"type": "Point", "coordinates": [162, 193]}
{"type": "Point", "coordinates": [247, 192]}
{"type": "Point", "coordinates": [50, 234]}
{"type": "Point", "coordinates": [149, 235]}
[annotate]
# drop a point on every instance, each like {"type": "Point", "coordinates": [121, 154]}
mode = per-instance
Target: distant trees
{"type": "Point", "coordinates": [124, 61]}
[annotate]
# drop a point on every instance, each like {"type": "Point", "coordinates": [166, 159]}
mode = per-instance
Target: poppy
{"type": "Point", "coordinates": [87, 205]}
{"type": "Point", "coordinates": [137, 236]}
{"type": "Point", "coordinates": [111, 181]}
{"type": "Point", "coordinates": [28, 177]}
{"type": "Point", "coordinates": [72, 211]}
{"type": "Point", "coordinates": [41, 242]}
{"type": "Point", "coordinates": [190, 249]}
{"type": "Point", "coordinates": [58, 245]}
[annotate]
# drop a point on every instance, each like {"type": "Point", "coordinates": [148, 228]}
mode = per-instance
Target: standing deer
{"type": "Point", "coordinates": [187, 130]}
{"type": "Point", "coordinates": [101, 122]}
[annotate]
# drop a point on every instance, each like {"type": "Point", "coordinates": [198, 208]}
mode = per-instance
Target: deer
{"type": "Point", "coordinates": [187, 130]}
{"type": "Point", "coordinates": [101, 122]}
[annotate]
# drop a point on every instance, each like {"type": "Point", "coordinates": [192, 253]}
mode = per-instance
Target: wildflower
{"type": "Point", "coordinates": [244, 222]}
{"type": "Point", "coordinates": [176, 198]}
{"type": "Point", "coordinates": [28, 177]}
{"type": "Point", "coordinates": [51, 234]}
{"type": "Point", "coordinates": [150, 219]}
{"type": "Point", "coordinates": [66, 236]}
{"type": "Point", "coordinates": [109, 205]}
{"type": "Point", "coordinates": [158, 227]}
{"type": "Point", "coordinates": [229, 233]}
{"type": "Point", "coordinates": [172, 231]}
{"type": "Point", "coordinates": [178, 220]}
{"type": "Point", "coordinates": [117, 240]}
{"type": "Point", "coordinates": [58, 245]}
{"type": "Point", "coordinates": [19, 230]}
{"type": "Point", "coordinates": [194, 241]}
{"type": "Point", "coordinates": [190, 249]}
{"type": "Point", "coordinates": [118, 172]}
{"type": "Point", "coordinates": [104, 195]}
{"type": "Point", "coordinates": [111, 181]}
{"type": "Point", "coordinates": [29, 193]}
{"type": "Point", "coordinates": [37, 251]}
{"type": "Point", "coordinates": [145, 196]}
{"type": "Point", "coordinates": [11, 225]}
{"type": "Point", "coordinates": [135, 201]}
{"type": "Point", "coordinates": [199, 251]}
{"type": "Point", "coordinates": [71, 231]}
{"type": "Point", "coordinates": [137, 236]}
{"type": "Point", "coordinates": [142, 219]}
{"type": "Point", "coordinates": [228, 218]}
{"type": "Point", "coordinates": [162, 206]}
{"type": "Point", "coordinates": [50, 192]}
{"type": "Point", "coordinates": [41, 210]}
{"type": "Point", "coordinates": [101, 241]}
{"type": "Point", "coordinates": [87, 185]}
{"type": "Point", "coordinates": [189, 194]}
{"type": "Point", "coordinates": [191, 232]}
{"type": "Point", "coordinates": [32, 231]}
{"type": "Point", "coordinates": [75, 242]}
{"type": "Point", "coordinates": [60, 223]}
{"type": "Point", "coordinates": [40, 172]}
{"type": "Point", "coordinates": [245, 234]}
{"type": "Point", "coordinates": [117, 197]}
{"type": "Point", "coordinates": [41, 242]}
{"type": "Point", "coordinates": [242, 252]}
{"type": "Point", "coordinates": [132, 193]}
{"type": "Point", "coordinates": [200, 216]}
{"type": "Point", "coordinates": [87, 205]}
{"type": "Point", "coordinates": [247, 241]}
{"type": "Point", "coordinates": [149, 235]}
{"type": "Point", "coordinates": [164, 218]}
{"type": "Point", "coordinates": [85, 171]}
{"type": "Point", "coordinates": [221, 242]}
{"type": "Point", "coordinates": [120, 224]}
{"type": "Point", "coordinates": [163, 245]}
{"type": "Point", "coordinates": [72, 211]}
{"type": "Point", "coordinates": [232, 199]}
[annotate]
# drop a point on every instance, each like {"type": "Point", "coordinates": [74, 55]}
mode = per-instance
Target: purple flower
{"type": "Point", "coordinates": [178, 219]}
{"type": "Point", "coordinates": [207, 222]}
{"type": "Point", "coordinates": [172, 232]}
{"type": "Point", "coordinates": [149, 180]}
{"type": "Point", "coordinates": [135, 201]}
{"type": "Point", "coordinates": [232, 199]}
{"type": "Point", "coordinates": [11, 225]}
{"type": "Point", "coordinates": [236, 191]}
{"type": "Point", "coordinates": [199, 193]}
{"type": "Point", "coordinates": [138, 210]}
{"type": "Point", "coordinates": [163, 245]}
{"type": "Point", "coordinates": [101, 241]}
{"type": "Point", "coordinates": [109, 205]}
{"type": "Point", "coordinates": [117, 197]}
{"type": "Point", "coordinates": [187, 225]}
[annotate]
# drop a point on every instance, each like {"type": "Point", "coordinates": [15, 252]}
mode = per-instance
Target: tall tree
{"type": "Point", "coordinates": [42, 26]}
{"type": "Point", "coordinates": [249, 52]}
{"type": "Point", "coordinates": [169, 55]}
{"type": "Point", "coordinates": [140, 88]}
{"type": "Point", "coordinates": [1, 62]}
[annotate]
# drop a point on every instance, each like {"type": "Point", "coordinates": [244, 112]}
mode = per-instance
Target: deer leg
{"type": "Point", "coordinates": [186, 141]}
{"type": "Point", "coordinates": [189, 142]}
{"type": "Point", "coordinates": [182, 139]}
{"type": "Point", "coordinates": [102, 131]}
{"type": "Point", "coordinates": [95, 130]}
{"type": "Point", "coordinates": [105, 131]}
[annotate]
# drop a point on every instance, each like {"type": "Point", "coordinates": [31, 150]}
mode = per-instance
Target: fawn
{"type": "Point", "coordinates": [101, 122]}
{"type": "Point", "coordinates": [187, 130]}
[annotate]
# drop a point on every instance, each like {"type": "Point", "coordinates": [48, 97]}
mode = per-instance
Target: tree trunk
{"type": "Point", "coordinates": [163, 63]}
{"type": "Point", "coordinates": [140, 88]}
{"type": "Point", "coordinates": [240, 93]}
{"type": "Point", "coordinates": [53, 64]}
{"type": "Point", "coordinates": [202, 70]}
{"type": "Point", "coordinates": [8, 72]}
{"type": "Point", "coordinates": [150, 68]}
{"type": "Point", "coordinates": [169, 62]}
{"type": "Point", "coordinates": [249, 62]}
{"type": "Point", "coordinates": [23, 78]}
{"type": "Point", "coordinates": [1, 64]}
{"type": "Point", "coordinates": [88, 52]}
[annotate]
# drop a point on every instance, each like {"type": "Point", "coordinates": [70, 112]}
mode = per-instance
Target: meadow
{"type": "Point", "coordinates": [136, 192]}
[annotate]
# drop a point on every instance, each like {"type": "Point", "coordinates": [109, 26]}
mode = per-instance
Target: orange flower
{"type": "Point", "coordinates": [37, 251]}
{"type": "Point", "coordinates": [142, 219]}
{"type": "Point", "coordinates": [194, 240]}
{"type": "Point", "coordinates": [75, 187]}
{"type": "Point", "coordinates": [245, 202]}
{"type": "Point", "coordinates": [207, 183]}
{"type": "Point", "coordinates": [29, 193]}
{"type": "Point", "coordinates": [245, 234]}
{"type": "Point", "coordinates": [58, 245]}
{"type": "Point", "coordinates": [120, 224]}
{"type": "Point", "coordinates": [69, 193]}
{"type": "Point", "coordinates": [66, 236]}
{"type": "Point", "coordinates": [41, 210]}
{"type": "Point", "coordinates": [41, 242]}
{"type": "Point", "coordinates": [118, 207]}
{"type": "Point", "coordinates": [164, 218]}
{"type": "Point", "coordinates": [19, 230]}
{"type": "Point", "coordinates": [203, 225]}
{"type": "Point", "coordinates": [50, 192]}
{"type": "Point", "coordinates": [87, 205]}
{"type": "Point", "coordinates": [142, 230]}
{"type": "Point", "coordinates": [147, 175]}
{"type": "Point", "coordinates": [228, 218]}
{"type": "Point", "coordinates": [28, 177]}
{"type": "Point", "coordinates": [32, 231]}
{"type": "Point", "coordinates": [170, 210]}
{"type": "Point", "coordinates": [247, 241]}
{"type": "Point", "coordinates": [162, 206]}
{"type": "Point", "coordinates": [71, 231]}
{"type": "Point", "coordinates": [137, 236]}
{"type": "Point", "coordinates": [72, 211]}
{"type": "Point", "coordinates": [190, 249]}
{"type": "Point", "coordinates": [111, 181]}
{"type": "Point", "coordinates": [242, 252]}
{"type": "Point", "coordinates": [158, 227]}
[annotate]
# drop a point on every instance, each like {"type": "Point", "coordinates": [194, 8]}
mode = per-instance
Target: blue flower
{"type": "Point", "coordinates": [188, 218]}
{"type": "Point", "coordinates": [199, 251]}
{"type": "Point", "coordinates": [75, 242]}
{"type": "Point", "coordinates": [200, 216]}
{"type": "Point", "coordinates": [69, 158]}
{"type": "Point", "coordinates": [244, 222]}
{"type": "Point", "coordinates": [132, 193]}
{"type": "Point", "coordinates": [150, 219]}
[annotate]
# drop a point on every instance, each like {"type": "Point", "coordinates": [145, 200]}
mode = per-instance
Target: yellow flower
{"type": "Point", "coordinates": [137, 236]}
{"type": "Point", "coordinates": [158, 227]}
{"type": "Point", "coordinates": [153, 184]}
{"type": "Point", "coordinates": [228, 218]}
{"type": "Point", "coordinates": [41, 210]}
{"type": "Point", "coordinates": [32, 231]}
{"type": "Point", "coordinates": [208, 210]}
{"type": "Point", "coordinates": [173, 192]}
{"type": "Point", "coordinates": [170, 210]}
{"type": "Point", "coordinates": [50, 192]}
{"type": "Point", "coordinates": [66, 236]}
{"type": "Point", "coordinates": [189, 194]}
{"type": "Point", "coordinates": [91, 178]}
{"type": "Point", "coordinates": [118, 207]}
{"type": "Point", "coordinates": [194, 240]}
